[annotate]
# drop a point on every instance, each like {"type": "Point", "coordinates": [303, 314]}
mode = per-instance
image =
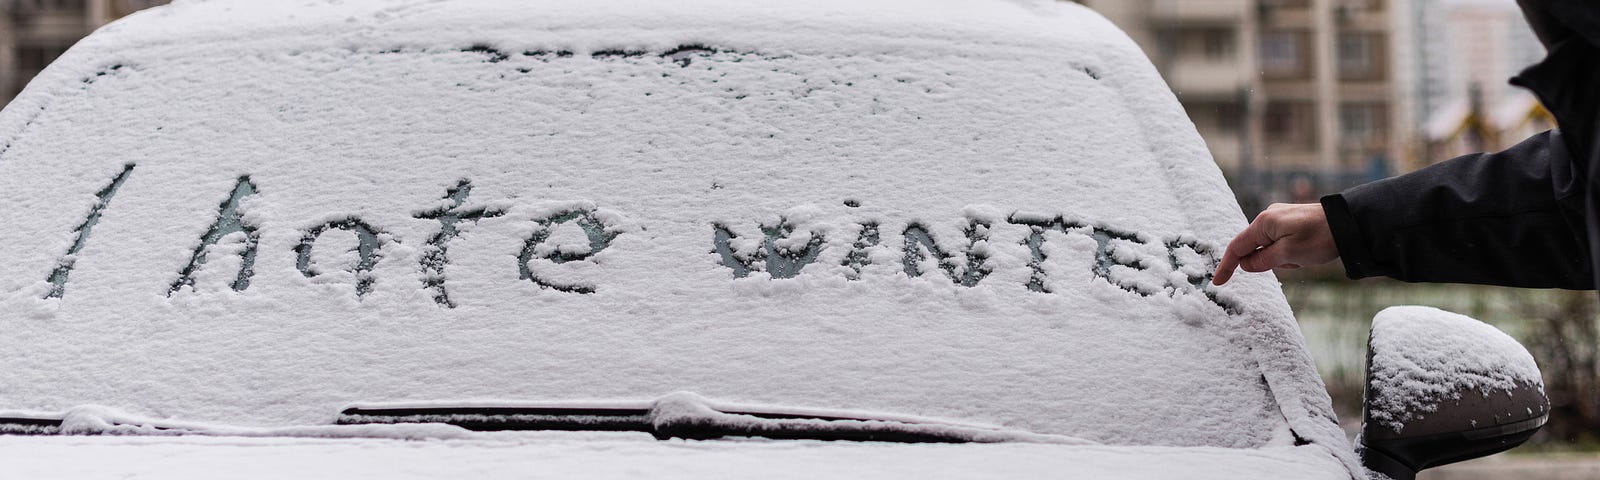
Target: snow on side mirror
{"type": "Point", "coordinates": [1442, 388]}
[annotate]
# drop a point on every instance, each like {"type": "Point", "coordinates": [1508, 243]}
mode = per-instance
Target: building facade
{"type": "Point", "coordinates": [34, 32]}
{"type": "Point", "coordinates": [1205, 50]}
{"type": "Point", "coordinates": [1470, 48]}
{"type": "Point", "coordinates": [1294, 97]}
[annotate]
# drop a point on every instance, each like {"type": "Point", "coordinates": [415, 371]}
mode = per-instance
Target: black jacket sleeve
{"type": "Point", "coordinates": [1511, 218]}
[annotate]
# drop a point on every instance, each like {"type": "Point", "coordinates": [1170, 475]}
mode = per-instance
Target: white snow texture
{"type": "Point", "coordinates": [991, 212]}
{"type": "Point", "coordinates": [595, 456]}
{"type": "Point", "coordinates": [1423, 355]}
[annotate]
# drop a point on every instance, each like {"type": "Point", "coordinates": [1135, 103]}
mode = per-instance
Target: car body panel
{"type": "Point", "coordinates": [661, 198]}
{"type": "Point", "coordinates": [112, 457]}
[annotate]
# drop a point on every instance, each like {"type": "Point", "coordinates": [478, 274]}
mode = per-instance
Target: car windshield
{"type": "Point", "coordinates": [263, 228]}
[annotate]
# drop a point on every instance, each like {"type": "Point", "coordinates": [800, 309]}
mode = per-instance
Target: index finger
{"type": "Point", "coordinates": [1245, 243]}
{"type": "Point", "coordinates": [1225, 269]}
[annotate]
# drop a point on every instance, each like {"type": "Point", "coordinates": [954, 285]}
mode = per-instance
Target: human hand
{"type": "Point", "coordinates": [1285, 235]}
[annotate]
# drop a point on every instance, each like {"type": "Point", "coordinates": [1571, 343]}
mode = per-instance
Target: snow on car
{"type": "Point", "coordinates": [891, 221]}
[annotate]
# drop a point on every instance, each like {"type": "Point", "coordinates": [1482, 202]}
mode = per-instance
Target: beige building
{"type": "Point", "coordinates": [1293, 97]}
{"type": "Point", "coordinates": [1289, 94]}
{"type": "Point", "coordinates": [1203, 49]}
{"type": "Point", "coordinates": [34, 32]}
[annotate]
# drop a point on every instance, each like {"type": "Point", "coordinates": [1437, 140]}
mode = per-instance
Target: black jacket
{"type": "Point", "coordinates": [1528, 216]}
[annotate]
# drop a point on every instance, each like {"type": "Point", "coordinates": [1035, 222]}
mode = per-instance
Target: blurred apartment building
{"type": "Point", "coordinates": [34, 32]}
{"type": "Point", "coordinates": [1294, 97]}
{"type": "Point", "coordinates": [1470, 48]}
{"type": "Point", "coordinates": [1297, 98]}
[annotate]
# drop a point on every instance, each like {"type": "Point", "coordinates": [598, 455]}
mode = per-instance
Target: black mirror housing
{"type": "Point", "coordinates": [1442, 388]}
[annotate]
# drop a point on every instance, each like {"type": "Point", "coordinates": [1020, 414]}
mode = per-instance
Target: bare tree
{"type": "Point", "coordinates": [1564, 337]}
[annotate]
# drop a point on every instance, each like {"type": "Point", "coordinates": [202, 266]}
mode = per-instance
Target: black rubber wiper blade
{"type": "Point", "coordinates": [679, 415]}
{"type": "Point", "coordinates": [754, 424]}
{"type": "Point", "coordinates": [493, 419]}
{"type": "Point", "coordinates": [14, 425]}
{"type": "Point", "coordinates": [688, 416]}
{"type": "Point", "coordinates": [96, 420]}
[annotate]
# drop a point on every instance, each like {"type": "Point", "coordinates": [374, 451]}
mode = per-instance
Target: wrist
{"type": "Point", "coordinates": [1348, 242]}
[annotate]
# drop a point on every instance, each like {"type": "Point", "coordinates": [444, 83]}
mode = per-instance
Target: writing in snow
{"type": "Point", "coordinates": [780, 251]}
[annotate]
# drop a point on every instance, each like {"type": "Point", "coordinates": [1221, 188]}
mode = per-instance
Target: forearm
{"type": "Point", "coordinates": [1508, 218]}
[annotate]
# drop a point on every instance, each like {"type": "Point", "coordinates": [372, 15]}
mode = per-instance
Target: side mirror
{"type": "Point", "coordinates": [1442, 388]}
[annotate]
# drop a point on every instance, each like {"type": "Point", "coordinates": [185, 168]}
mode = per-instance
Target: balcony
{"type": "Point", "coordinates": [1198, 77]}
{"type": "Point", "coordinates": [1200, 11]}
{"type": "Point", "coordinates": [1225, 149]}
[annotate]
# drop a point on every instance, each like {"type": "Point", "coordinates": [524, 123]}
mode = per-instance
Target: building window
{"type": "Point", "coordinates": [124, 7]}
{"type": "Point", "coordinates": [1218, 43]}
{"type": "Point", "coordinates": [1363, 123]}
{"type": "Point", "coordinates": [1214, 117]}
{"type": "Point", "coordinates": [1285, 3]}
{"type": "Point", "coordinates": [1229, 118]}
{"type": "Point", "coordinates": [1213, 44]}
{"type": "Point", "coordinates": [1168, 44]}
{"type": "Point", "coordinates": [1290, 123]}
{"type": "Point", "coordinates": [1368, 5]}
{"type": "Point", "coordinates": [34, 58]}
{"type": "Point", "coordinates": [1284, 55]}
{"type": "Point", "coordinates": [30, 6]}
{"type": "Point", "coordinates": [1361, 56]}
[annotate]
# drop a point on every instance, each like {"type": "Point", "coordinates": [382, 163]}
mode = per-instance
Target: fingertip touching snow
{"type": "Point", "coordinates": [1422, 356]}
{"type": "Point", "coordinates": [987, 211]}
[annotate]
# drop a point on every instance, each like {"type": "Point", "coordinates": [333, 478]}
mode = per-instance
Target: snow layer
{"type": "Point", "coordinates": [987, 211]}
{"type": "Point", "coordinates": [629, 456]}
{"type": "Point", "coordinates": [97, 420]}
{"type": "Point", "coordinates": [1423, 355]}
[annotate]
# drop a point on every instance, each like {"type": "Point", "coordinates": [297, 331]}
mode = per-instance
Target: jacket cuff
{"type": "Point", "coordinates": [1353, 252]}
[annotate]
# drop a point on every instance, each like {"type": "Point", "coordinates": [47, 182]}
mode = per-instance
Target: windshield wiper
{"type": "Point", "coordinates": [96, 420]}
{"type": "Point", "coordinates": [722, 424]}
{"type": "Point", "coordinates": [687, 416]}
{"type": "Point", "coordinates": [679, 415]}
{"type": "Point", "coordinates": [20, 425]}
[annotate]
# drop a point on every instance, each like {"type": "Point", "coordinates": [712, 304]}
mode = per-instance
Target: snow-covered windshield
{"type": "Point", "coordinates": [264, 230]}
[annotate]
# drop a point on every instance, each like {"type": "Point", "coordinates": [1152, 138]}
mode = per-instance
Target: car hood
{"type": "Point", "coordinates": [609, 456]}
